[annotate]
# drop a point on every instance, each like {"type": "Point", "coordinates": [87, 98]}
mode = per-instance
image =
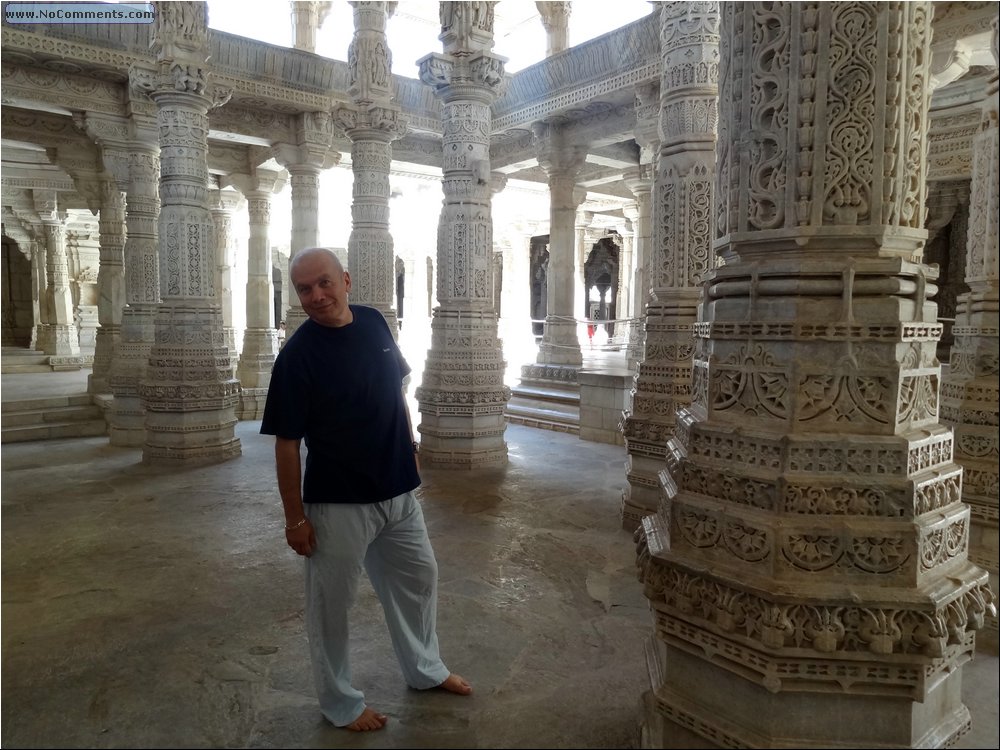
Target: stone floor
{"type": "Point", "coordinates": [150, 607]}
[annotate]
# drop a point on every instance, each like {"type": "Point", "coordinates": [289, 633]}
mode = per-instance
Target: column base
{"type": "Point", "coordinates": [251, 406]}
{"type": "Point", "coordinates": [722, 707]}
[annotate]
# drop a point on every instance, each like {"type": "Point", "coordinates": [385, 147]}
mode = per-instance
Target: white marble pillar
{"type": "Point", "coordinates": [560, 341]}
{"type": "Point", "coordinates": [808, 565]}
{"type": "Point", "coordinates": [372, 123]}
{"type": "Point", "coordinates": [59, 336]}
{"type": "Point", "coordinates": [110, 285]}
{"type": "Point", "coordinates": [307, 20]}
{"type": "Point", "coordinates": [680, 252]}
{"type": "Point", "coordinates": [127, 416]}
{"type": "Point", "coordinates": [305, 160]}
{"type": "Point", "coordinates": [555, 19]}
{"type": "Point", "coordinates": [39, 311]}
{"type": "Point", "coordinates": [188, 392]}
{"type": "Point", "coordinates": [260, 337]}
{"type": "Point", "coordinates": [225, 203]}
{"type": "Point", "coordinates": [970, 392]}
{"type": "Point", "coordinates": [462, 396]}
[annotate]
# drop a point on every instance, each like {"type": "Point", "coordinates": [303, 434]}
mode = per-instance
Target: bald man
{"type": "Point", "coordinates": [337, 384]}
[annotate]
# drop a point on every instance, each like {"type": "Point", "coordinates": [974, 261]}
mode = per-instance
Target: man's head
{"type": "Point", "coordinates": [322, 285]}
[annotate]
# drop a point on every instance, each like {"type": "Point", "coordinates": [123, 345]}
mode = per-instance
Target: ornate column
{"type": "Point", "coordinates": [305, 160]}
{"type": "Point", "coordinates": [39, 309]}
{"type": "Point", "coordinates": [110, 284]}
{"type": "Point", "coordinates": [562, 162]}
{"type": "Point", "coordinates": [971, 390]}
{"type": "Point", "coordinates": [680, 253]}
{"type": "Point", "coordinates": [372, 123]}
{"type": "Point", "coordinates": [640, 183]}
{"type": "Point", "coordinates": [582, 244]}
{"type": "Point", "coordinates": [127, 416]}
{"type": "Point", "coordinates": [106, 197]}
{"type": "Point", "coordinates": [307, 19]}
{"type": "Point", "coordinates": [224, 203]}
{"type": "Point", "coordinates": [462, 397]}
{"type": "Point", "coordinates": [260, 337]}
{"type": "Point", "coordinates": [809, 557]}
{"type": "Point", "coordinates": [189, 392]}
{"type": "Point", "coordinates": [555, 19]}
{"type": "Point", "coordinates": [59, 336]}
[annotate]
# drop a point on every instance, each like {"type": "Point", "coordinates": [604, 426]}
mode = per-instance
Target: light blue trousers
{"type": "Point", "coordinates": [390, 540]}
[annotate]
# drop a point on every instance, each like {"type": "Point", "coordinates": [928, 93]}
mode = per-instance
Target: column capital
{"type": "Point", "coordinates": [259, 181]}
{"type": "Point", "coordinates": [223, 200]}
{"type": "Point", "coordinates": [373, 121]}
{"type": "Point", "coordinates": [477, 77]}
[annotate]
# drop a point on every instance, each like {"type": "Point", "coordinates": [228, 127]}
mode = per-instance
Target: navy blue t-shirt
{"type": "Point", "coordinates": [341, 390]}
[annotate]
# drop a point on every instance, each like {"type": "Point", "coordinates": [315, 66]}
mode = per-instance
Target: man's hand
{"type": "Point", "coordinates": [302, 539]}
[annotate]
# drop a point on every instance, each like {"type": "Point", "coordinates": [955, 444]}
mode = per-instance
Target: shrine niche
{"type": "Point", "coordinates": [600, 272]}
{"type": "Point", "coordinates": [539, 282]}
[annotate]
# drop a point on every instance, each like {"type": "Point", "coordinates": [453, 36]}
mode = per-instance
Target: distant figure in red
{"type": "Point", "coordinates": [591, 328]}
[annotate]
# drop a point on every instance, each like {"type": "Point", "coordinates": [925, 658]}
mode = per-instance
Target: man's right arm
{"type": "Point", "coordinates": [298, 531]}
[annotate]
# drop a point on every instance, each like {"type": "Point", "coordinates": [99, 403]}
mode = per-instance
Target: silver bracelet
{"type": "Point", "coordinates": [295, 525]}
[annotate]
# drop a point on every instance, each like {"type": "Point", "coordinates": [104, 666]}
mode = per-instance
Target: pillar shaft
{"type": "Point", "coordinates": [224, 204]}
{"type": "Point", "coordinates": [971, 391]}
{"type": "Point", "coordinates": [372, 123]}
{"type": "Point", "coordinates": [126, 418]}
{"type": "Point", "coordinates": [110, 285]}
{"type": "Point", "coordinates": [462, 396]}
{"type": "Point", "coordinates": [189, 393]}
{"type": "Point", "coordinates": [560, 343]}
{"type": "Point", "coordinates": [809, 557]}
{"type": "Point", "coordinates": [60, 337]}
{"type": "Point", "coordinates": [680, 254]}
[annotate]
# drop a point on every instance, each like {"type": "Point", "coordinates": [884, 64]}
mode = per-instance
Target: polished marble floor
{"type": "Point", "coordinates": [146, 607]}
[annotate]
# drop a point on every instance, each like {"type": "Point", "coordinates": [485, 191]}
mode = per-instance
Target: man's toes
{"type": "Point", "coordinates": [456, 684]}
{"type": "Point", "coordinates": [369, 721]}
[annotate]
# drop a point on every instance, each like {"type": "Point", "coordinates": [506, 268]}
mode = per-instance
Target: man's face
{"type": "Point", "coordinates": [322, 288]}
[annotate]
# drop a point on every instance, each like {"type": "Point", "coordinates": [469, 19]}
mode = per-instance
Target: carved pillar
{"type": "Point", "coordinates": [971, 390]}
{"type": "Point", "coordinates": [560, 342]}
{"type": "Point", "coordinates": [110, 285]}
{"type": "Point", "coordinates": [640, 183]}
{"type": "Point", "coordinates": [39, 310]}
{"type": "Point", "coordinates": [680, 253]}
{"type": "Point", "coordinates": [809, 557]}
{"type": "Point", "coordinates": [462, 397]}
{"type": "Point", "coordinates": [224, 203]}
{"type": "Point", "coordinates": [555, 19]}
{"type": "Point", "coordinates": [260, 337]}
{"type": "Point", "coordinates": [189, 392]}
{"type": "Point", "coordinates": [307, 19]}
{"type": "Point", "coordinates": [305, 160]}
{"type": "Point", "coordinates": [59, 335]}
{"type": "Point", "coordinates": [582, 244]}
{"type": "Point", "coordinates": [372, 123]}
{"type": "Point", "coordinates": [127, 416]}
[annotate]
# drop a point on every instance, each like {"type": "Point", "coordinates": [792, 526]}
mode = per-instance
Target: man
{"type": "Point", "coordinates": [337, 383]}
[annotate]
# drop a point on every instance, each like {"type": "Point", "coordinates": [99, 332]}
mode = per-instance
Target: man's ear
{"type": "Point", "coordinates": [347, 281]}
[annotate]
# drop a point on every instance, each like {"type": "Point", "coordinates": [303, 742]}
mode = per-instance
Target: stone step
{"type": "Point", "coordinates": [23, 360]}
{"type": "Point", "coordinates": [555, 394]}
{"type": "Point", "coordinates": [50, 402]}
{"type": "Point", "coordinates": [53, 431]}
{"type": "Point", "coordinates": [8, 368]}
{"type": "Point", "coordinates": [52, 415]}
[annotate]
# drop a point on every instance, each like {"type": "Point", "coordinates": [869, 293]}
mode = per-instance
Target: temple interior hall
{"type": "Point", "coordinates": [702, 306]}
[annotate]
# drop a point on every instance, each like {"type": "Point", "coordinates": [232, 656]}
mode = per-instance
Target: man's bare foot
{"type": "Point", "coordinates": [369, 721]}
{"type": "Point", "coordinates": [456, 684]}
